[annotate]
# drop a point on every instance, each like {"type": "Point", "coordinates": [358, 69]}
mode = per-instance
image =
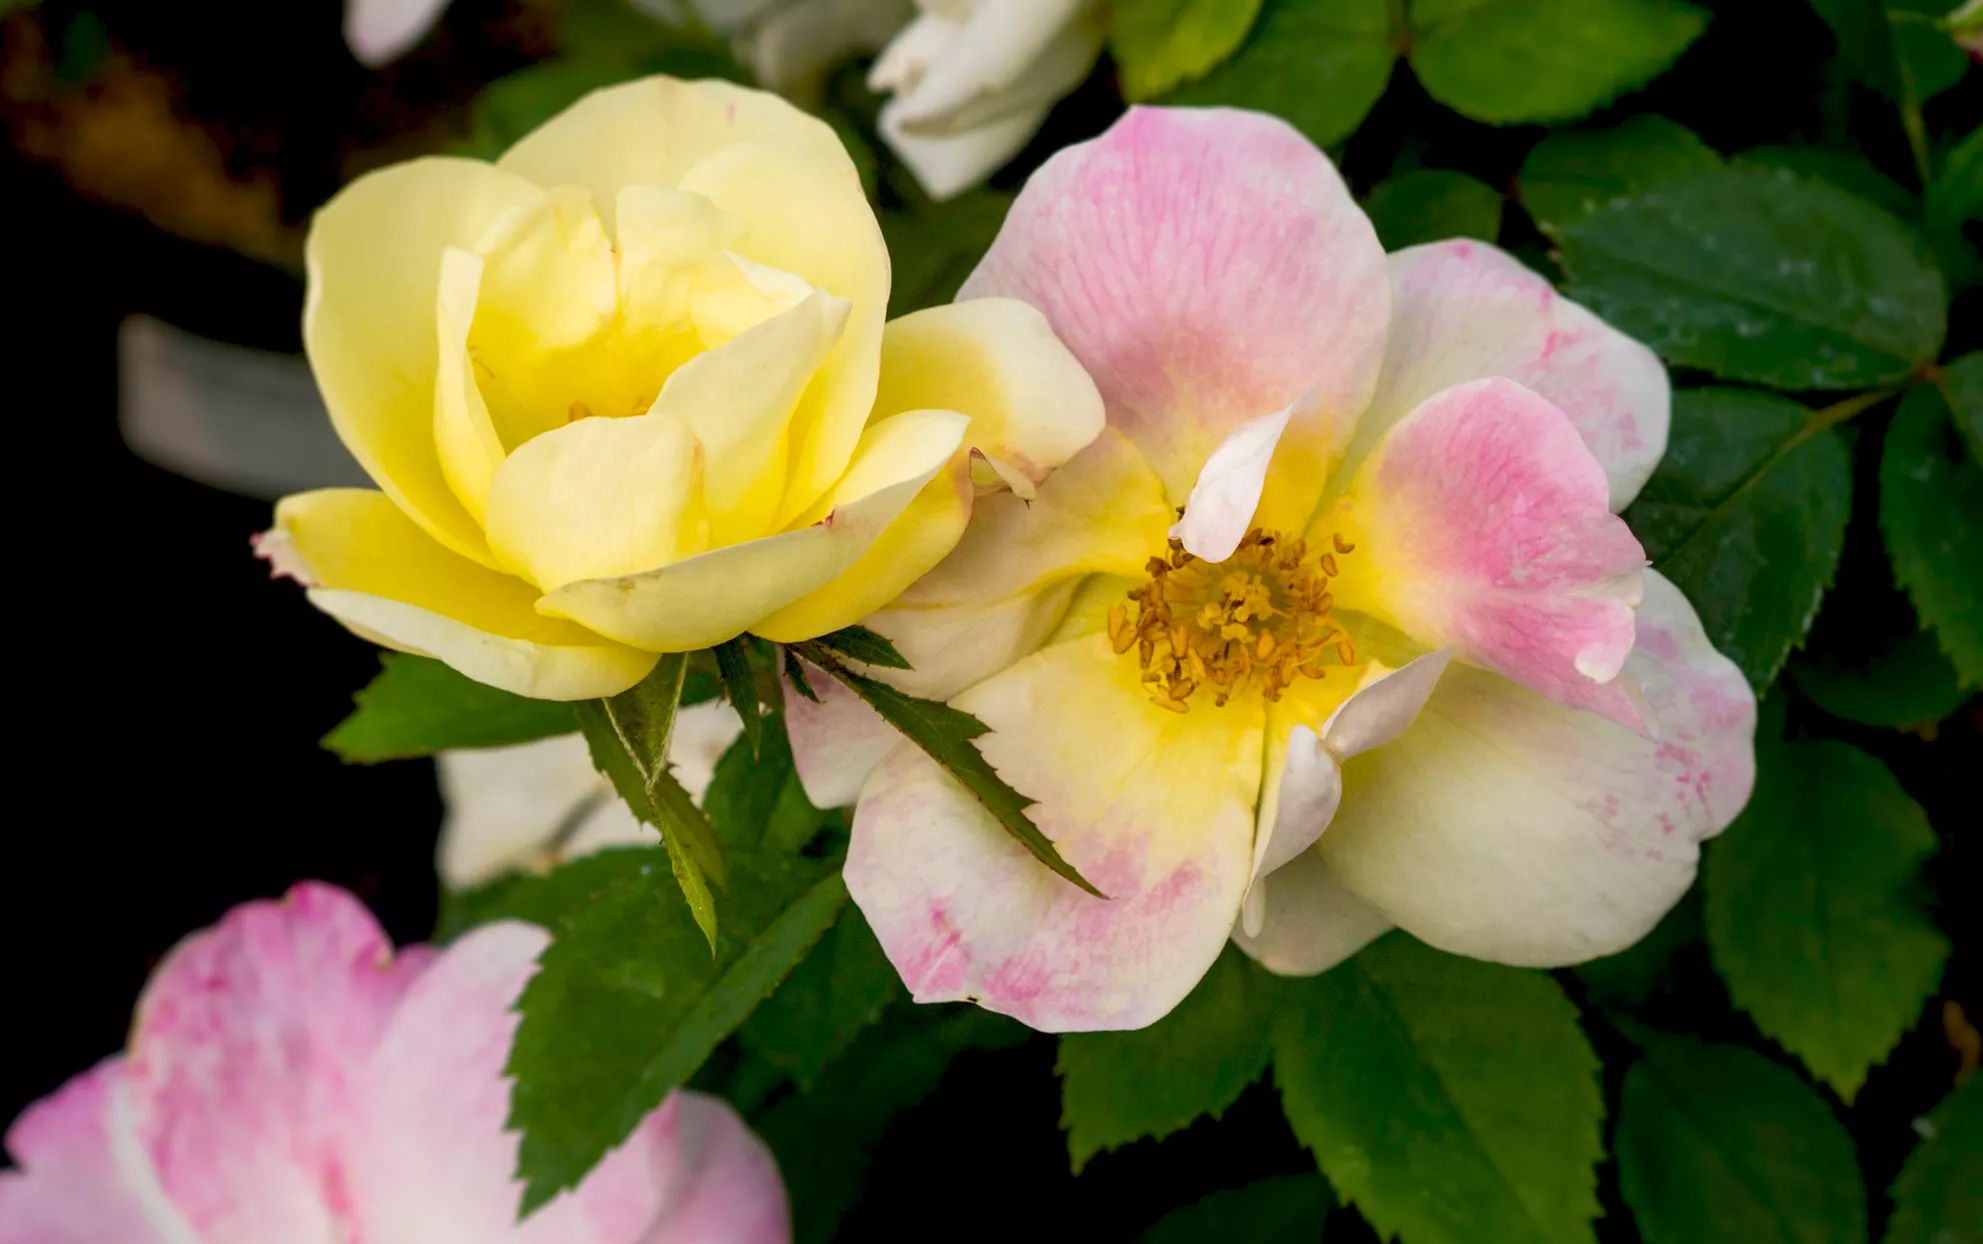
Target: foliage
{"type": "Point", "coordinates": [417, 706]}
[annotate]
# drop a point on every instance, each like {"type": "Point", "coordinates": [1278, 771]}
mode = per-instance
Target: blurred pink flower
{"type": "Point", "coordinates": [291, 1080]}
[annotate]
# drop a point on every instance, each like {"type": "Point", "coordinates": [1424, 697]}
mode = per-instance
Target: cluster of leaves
{"type": "Point", "coordinates": [1821, 504]}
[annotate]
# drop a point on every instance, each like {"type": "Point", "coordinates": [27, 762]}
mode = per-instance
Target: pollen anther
{"type": "Point", "coordinates": [1262, 613]}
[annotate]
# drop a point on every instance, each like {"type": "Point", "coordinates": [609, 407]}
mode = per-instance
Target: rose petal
{"type": "Point", "coordinates": [652, 131]}
{"type": "Point", "coordinates": [1032, 406]}
{"type": "Point", "coordinates": [69, 1186]}
{"type": "Point", "coordinates": [1482, 521]}
{"type": "Point", "coordinates": [1309, 921]}
{"type": "Point", "coordinates": [1465, 310]}
{"type": "Point", "coordinates": [1220, 509]}
{"type": "Point", "coordinates": [1507, 827]}
{"type": "Point", "coordinates": [1208, 268]}
{"type": "Point", "coordinates": [1155, 808]}
{"type": "Point", "coordinates": [371, 568]}
{"type": "Point", "coordinates": [239, 1075]}
{"type": "Point", "coordinates": [716, 596]}
{"type": "Point", "coordinates": [374, 260]}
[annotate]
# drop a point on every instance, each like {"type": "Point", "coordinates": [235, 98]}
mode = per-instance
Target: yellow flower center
{"type": "Point", "coordinates": [1262, 614]}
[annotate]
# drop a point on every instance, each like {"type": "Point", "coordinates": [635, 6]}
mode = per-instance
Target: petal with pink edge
{"type": "Point", "coordinates": [1155, 808]}
{"type": "Point", "coordinates": [69, 1186]}
{"type": "Point", "coordinates": [1507, 827]}
{"type": "Point", "coordinates": [430, 1161]}
{"type": "Point", "coordinates": [1464, 310]}
{"type": "Point", "coordinates": [1312, 921]}
{"type": "Point", "coordinates": [1209, 268]}
{"type": "Point", "coordinates": [239, 1073]}
{"type": "Point", "coordinates": [1482, 521]}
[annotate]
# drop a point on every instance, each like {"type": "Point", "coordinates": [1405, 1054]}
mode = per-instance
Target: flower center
{"type": "Point", "coordinates": [1261, 614]}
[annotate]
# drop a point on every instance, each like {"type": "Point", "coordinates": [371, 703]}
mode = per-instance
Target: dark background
{"type": "Point", "coordinates": [170, 696]}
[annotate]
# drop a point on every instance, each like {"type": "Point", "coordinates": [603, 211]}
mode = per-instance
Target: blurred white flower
{"type": "Point", "coordinates": [379, 31]}
{"type": "Point", "coordinates": [972, 80]}
{"type": "Point", "coordinates": [788, 45]}
{"type": "Point", "coordinates": [530, 807]}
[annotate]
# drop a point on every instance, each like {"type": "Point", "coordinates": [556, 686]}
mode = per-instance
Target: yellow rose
{"type": "Point", "coordinates": [628, 391]}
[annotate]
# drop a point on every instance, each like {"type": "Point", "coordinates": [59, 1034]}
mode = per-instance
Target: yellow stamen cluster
{"type": "Point", "coordinates": [1262, 613]}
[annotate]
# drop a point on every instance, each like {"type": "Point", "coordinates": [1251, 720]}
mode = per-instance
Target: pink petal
{"type": "Point", "coordinates": [69, 1187]}
{"type": "Point", "coordinates": [242, 1058]}
{"type": "Point", "coordinates": [1208, 267]}
{"type": "Point", "coordinates": [1504, 826]}
{"type": "Point", "coordinates": [836, 741]}
{"type": "Point", "coordinates": [1155, 808]}
{"type": "Point", "coordinates": [1465, 310]}
{"type": "Point", "coordinates": [431, 1161]}
{"type": "Point", "coordinates": [1482, 521]}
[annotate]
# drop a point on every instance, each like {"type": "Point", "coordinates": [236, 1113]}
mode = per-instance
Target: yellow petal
{"type": "Point", "coordinates": [1014, 572]}
{"type": "Point", "coordinates": [469, 447]}
{"type": "Point", "coordinates": [599, 497]}
{"type": "Point", "coordinates": [551, 281]}
{"type": "Point", "coordinates": [376, 571]}
{"type": "Point", "coordinates": [917, 540]}
{"type": "Point", "coordinates": [653, 131]}
{"type": "Point", "coordinates": [809, 217]}
{"type": "Point", "coordinates": [717, 596]}
{"type": "Point", "coordinates": [374, 260]}
{"type": "Point", "coordinates": [1032, 406]}
{"type": "Point", "coordinates": [665, 236]}
{"type": "Point", "coordinates": [738, 400]}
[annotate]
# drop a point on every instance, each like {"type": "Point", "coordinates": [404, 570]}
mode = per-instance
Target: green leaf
{"type": "Point", "coordinates": [823, 1136]}
{"type": "Point", "coordinates": [1952, 199]}
{"type": "Point", "coordinates": [1453, 1101]}
{"type": "Point", "coordinates": [945, 734]}
{"type": "Point", "coordinates": [861, 644]}
{"type": "Point", "coordinates": [1719, 1145]}
{"type": "Point", "coordinates": [642, 718]}
{"type": "Point", "coordinates": [1506, 61]}
{"type": "Point", "coordinates": [1931, 511]}
{"type": "Point", "coordinates": [1938, 1198]}
{"type": "Point", "coordinates": [1758, 274]}
{"type": "Point", "coordinates": [1906, 685]}
{"type": "Point", "coordinates": [628, 1001]}
{"type": "Point", "coordinates": [935, 247]}
{"type": "Point", "coordinates": [740, 685]}
{"type": "Point", "coordinates": [1118, 1087]}
{"type": "Point", "coordinates": [1812, 911]}
{"type": "Point", "coordinates": [1847, 170]}
{"type": "Point", "coordinates": [836, 993]}
{"type": "Point", "coordinates": [418, 706]}
{"type": "Point", "coordinates": [1747, 513]}
{"type": "Point", "coordinates": [1962, 389]}
{"type": "Point", "coordinates": [1572, 173]}
{"type": "Point", "coordinates": [1865, 42]}
{"type": "Point", "coordinates": [758, 801]}
{"type": "Point", "coordinates": [1319, 64]}
{"type": "Point", "coordinates": [1432, 204]}
{"type": "Point", "coordinates": [1288, 1209]}
{"type": "Point", "coordinates": [1159, 44]}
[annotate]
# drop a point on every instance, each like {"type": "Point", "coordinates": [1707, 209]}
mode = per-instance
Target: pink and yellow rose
{"type": "Point", "coordinates": [1333, 629]}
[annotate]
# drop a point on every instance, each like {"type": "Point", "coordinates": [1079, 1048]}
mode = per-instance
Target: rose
{"type": "Point", "coordinates": [628, 391]}
{"type": "Point", "coordinates": [1399, 663]}
{"type": "Point", "coordinates": [291, 1078]}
